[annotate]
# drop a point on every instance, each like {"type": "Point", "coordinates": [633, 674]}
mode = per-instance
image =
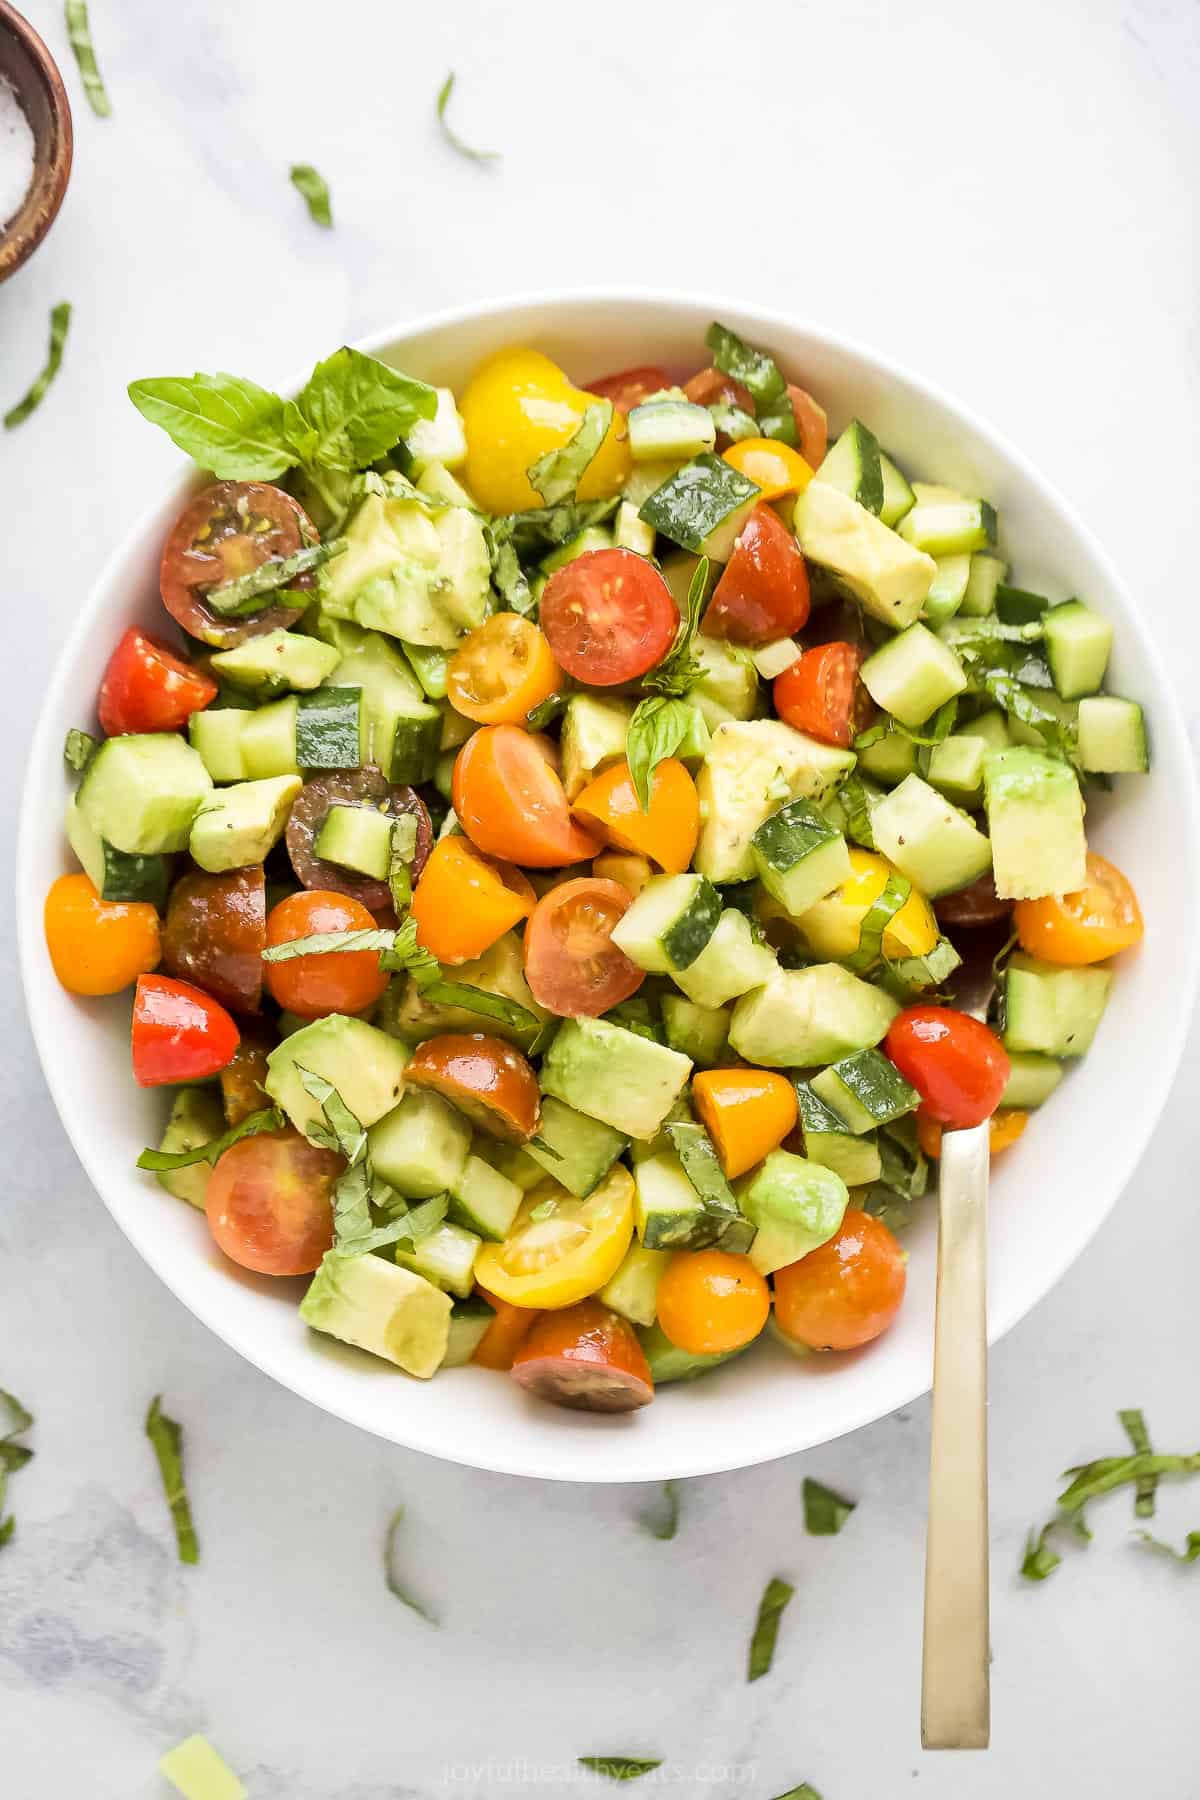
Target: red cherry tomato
{"type": "Point", "coordinates": [846, 1292]}
{"type": "Point", "coordinates": [629, 388]}
{"type": "Point", "coordinates": [956, 1064]}
{"type": "Point", "coordinates": [586, 1357]}
{"type": "Point", "coordinates": [268, 1205]}
{"type": "Point", "coordinates": [821, 694]}
{"type": "Point", "coordinates": [179, 1033]}
{"type": "Point", "coordinates": [763, 592]}
{"type": "Point", "coordinates": [314, 985]}
{"type": "Point", "coordinates": [147, 686]}
{"type": "Point", "coordinates": [609, 616]}
{"type": "Point", "coordinates": [228, 530]}
{"type": "Point", "coordinates": [511, 804]}
{"type": "Point", "coordinates": [571, 963]}
{"type": "Point", "coordinates": [708, 387]}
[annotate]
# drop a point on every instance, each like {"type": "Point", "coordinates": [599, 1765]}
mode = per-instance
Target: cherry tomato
{"type": "Point", "coordinates": [215, 933]}
{"type": "Point", "coordinates": [763, 591]}
{"type": "Point", "coordinates": [667, 833]}
{"type": "Point", "coordinates": [556, 1258]}
{"type": "Point", "coordinates": [630, 387]}
{"type": "Point", "coordinates": [502, 671]}
{"type": "Point", "coordinates": [821, 694]}
{"type": "Point", "coordinates": [711, 1302]}
{"type": "Point", "coordinates": [228, 530]}
{"type": "Point", "coordinates": [488, 1080]}
{"type": "Point", "coordinates": [510, 802]}
{"type": "Point", "coordinates": [585, 1357]}
{"type": "Point", "coordinates": [243, 1077]}
{"type": "Point", "coordinates": [268, 1202]}
{"type": "Point", "coordinates": [708, 387]}
{"type": "Point", "coordinates": [98, 946]}
{"type": "Point", "coordinates": [571, 963]}
{"type": "Point", "coordinates": [956, 1064]}
{"type": "Point", "coordinates": [609, 616]}
{"type": "Point", "coordinates": [1004, 1129]}
{"type": "Point", "coordinates": [147, 686]}
{"type": "Point", "coordinates": [746, 1112]}
{"type": "Point", "coordinates": [978, 904]}
{"type": "Point", "coordinates": [509, 1329]}
{"type": "Point", "coordinates": [774, 466]}
{"type": "Point", "coordinates": [464, 902]}
{"type": "Point", "coordinates": [179, 1033]}
{"type": "Point", "coordinates": [342, 981]}
{"type": "Point", "coordinates": [517, 406]}
{"type": "Point", "coordinates": [352, 787]}
{"type": "Point", "coordinates": [812, 430]}
{"type": "Point", "coordinates": [846, 1292]}
{"type": "Point", "coordinates": [1073, 929]}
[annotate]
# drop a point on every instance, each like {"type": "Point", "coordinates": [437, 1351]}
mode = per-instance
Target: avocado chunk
{"type": "Point", "coordinates": [594, 730]}
{"type": "Point", "coordinates": [141, 792]}
{"type": "Point", "coordinates": [1035, 819]}
{"type": "Point", "coordinates": [576, 1150]}
{"type": "Point", "coordinates": [378, 1306]}
{"type": "Point", "coordinates": [888, 576]}
{"type": "Point", "coordinates": [386, 577]}
{"type": "Point", "coordinates": [464, 575]}
{"type": "Point", "coordinates": [802, 1017]}
{"type": "Point", "coordinates": [753, 766]}
{"type": "Point", "coordinates": [928, 839]}
{"type": "Point", "coordinates": [797, 1206]}
{"type": "Point", "coordinates": [614, 1075]}
{"type": "Point", "coordinates": [727, 687]}
{"type": "Point", "coordinates": [364, 1065]}
{"type": "Point", "coordinates": [421, 1146]}
{"type": "Point", "coordinates": [501, 970]}
{"type": "Point", "coordinates": [243, 823]}
{"type": "Point", "coordinates": [275, 663]}
{"type": "Point", "coordinates": [197, 1117]}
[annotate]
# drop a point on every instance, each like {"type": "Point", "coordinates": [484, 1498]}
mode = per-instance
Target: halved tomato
{"type": "Point", "coordinates": [667, 833]}
{"type": "Point", "coordinates": [502, 671]}
{"type": "Point", "coordinates": [630, 387]}
{"type": "Point", "coordinates": [763, 590]}
{"type": "Point", "coordinates": [586, 1357]}
{"type": "Point", "coordinates": [561, 1257]}
{"type": "Point", "coordinates": [215, 933]}
{"type": "Point", "coordinates": [821, 694]}
{"type": "Point", "coordinates": [148, 686]}
{"type": "Point", "coordinates": [609, 616]}
{"type": "Point", "coordinates": [227, 530]}
{"type": "Point", "coordinates": [489, 1081]}
{"type": "Point", "coordinates": [1075, 929]}
{"type": "Point", "coordinates": [571, 963]}
{"type": "Point", "coordinates": [268, 1202]}
{"type": "Point", "coordinates": [510, 802]}
{"type": "Point", "coordinates": [179, 1033]}
{"type": "Point", "coordinates": [464, 901]}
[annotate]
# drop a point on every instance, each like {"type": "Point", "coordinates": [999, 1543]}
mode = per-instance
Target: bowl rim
{"type": "Point", "coordinates": [48, 186]}
{"type": "Point", "coordinates": [1126, 1152]}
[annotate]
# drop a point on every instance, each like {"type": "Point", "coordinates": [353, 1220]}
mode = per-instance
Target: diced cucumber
{"type": "Point", "coordinates": [772, 659]}
{"type": "Point", "coordinates": [912, 674]}
{"type": "Point", "coordinates": [592, 537]}
{"type": "Point", "coordinates": [429, 666]}
{"type": "Point", "coordinates": [1018, 606]}
{"type": "Point", "coordinates": [890, 758]}
{"type": "Point", "coordinates": [469, 1321]}
{"type": "Point", "coordinates": [853, 465]}
{"type": "Point", "coordinates": [797, 1206]}
{"type": "Point", "coordinates": [269, 740]}
{"type": "Point", "coordinates": [731, 963]}
{"type": "Point", "coordinates": [803, 1017]}
{"type": "Point", "coordinates": [851, 807]}
{"type": "Point", "coordinates": [441, 439]}
{"type": "Point", "coordinates": [993, 728]}
{"type": "Point", "coordinates": [1031, 1079]}
{"type": "Point", "coordinates": [276, 663]}
{"type": "Point", "coordinates": [931, 970]}
{"type": "Point", "coordinates": [827, 1141]}
{"type": "Point", "coordinates": [949, 527]}
{"type": "Point", "coordinates": [633, 1290]}
{"type": "Point", "coordinates": [216, 736]}
{"type": "Point", "coordinates": [669, 1363]}
{"type": "Point", "coordinates": [948, 589]}
{"type": "Point", "coordinates": [631, 532]}
{"type": "Point", "coordinates": [750, 768]}
{"type": "Point", "coordinates": [987, 573]}
{"type": "Point", "coordinates": [576, 1150]}
{"type": "Point", "coordinates": [356, 837]}
{"type": "Point", "coordinates": [866, 1090]}
{"type": "Point", "coordinates": [668, 1212]}
{"type": "Point", "coordinates": [594, 730]}
{"type": "Point", "coordinates": [421, 1146]}
{"type": "Point", "coordinates": [612, 1074]}
{"type": "Point", "coordinates": [511, 1161]}
{"type": "Point", "coordinates": [1035, 821]}
{"type": "Point", "coordinates": [929, 840]}
{"type": "Point", "coordinates": [669, 428]}
{"type": "Point", "coordinates": [1112, 736]}
{"type": "Point", "coordinates": [241, 824]}
{"type": "Point", "coordinates": [328, 728]}
{"type": "Point", "coordinates": [703, 506]}
{"type": "Point", "coordinates": [1078, 642]}
{"type": "Point", "coordinates": [669, 923]}
{"type": "Point", "coordinates": [898, 497]}
{"type": "Point", "coordinates": [446, 1256]}
{"type": "Point", "coordinates": [700, 1032]}
{"type": "Point", "coordinates": [113, 873]}
{"type": "Point", "coordinates": [380, 1307]}
{"type": "Point", "coordinates": [141, 792]}
{"type": "Point", "coordinates": [1050, 1010]}
{"type": "Point", "coordinates": [1065, 711]}
{"type": "Point", "coordinates": [196, 1118]}
{"type": "Point", "coordinates": [956, 767]}
{"type": "Point", "coordinates": [484, 1200]}
{"type": "Point", "coordinates": [890, 577]}
{"type": "Point", "coordinates": [800, 857]}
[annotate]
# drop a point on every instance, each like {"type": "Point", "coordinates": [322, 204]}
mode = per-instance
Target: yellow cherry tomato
{"type": "Point", "coordinates": [98, 946]}
{"type": "Point", "coordinates": [561, 1258]}
{"type": "Point", "coordinates": [517, 406]}
{"type": "Point", "coordinates": [776, 467]}
{"type": "Point", "coordinates": [832, 926]}
{"type": "Point", "coordinates": [502, 671]}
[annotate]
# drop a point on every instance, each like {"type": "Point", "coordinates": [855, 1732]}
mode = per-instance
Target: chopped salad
{"type": "Point", "coordinates": [585, 848]}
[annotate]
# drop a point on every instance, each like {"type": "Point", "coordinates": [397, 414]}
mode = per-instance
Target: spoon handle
{"type": "Point", "coordinates": [955, 1702]}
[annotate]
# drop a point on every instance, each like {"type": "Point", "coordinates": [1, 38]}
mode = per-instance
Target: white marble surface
{"type": "Point", "coordinates": [1006, 199]}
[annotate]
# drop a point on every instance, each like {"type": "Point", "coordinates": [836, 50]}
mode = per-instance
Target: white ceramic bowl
{"type": "Point", "coordinates": [1050, 1193]}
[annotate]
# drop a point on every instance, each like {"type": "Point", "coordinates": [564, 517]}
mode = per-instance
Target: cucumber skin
{"type": "Point", "coordinates": [683, 941]}
{"type": "Point", "coordinates": [327, 729]}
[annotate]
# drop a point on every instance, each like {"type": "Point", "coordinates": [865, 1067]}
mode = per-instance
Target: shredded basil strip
{"type": "Point", "coordinates": [876, 920]}
{"type": "Point", "coordinates": [314, 189]}
{"type": "Point", "coordinates": [545, 714]}
{"type": "Point", "coordinates": [825, 1512]}
{"type": "Point", "coordinates": [658, 726]}
{"type": "Point", "coordinates": [79, 749]}
{"type": "Point", "coordinates": [166, 1437]}
{"type": "Point", "coordinates": [759, 374]}
{"type": "Point", "coordinates": [776, 1595]}
{"type": "Point", "coordinates": [1109, 1472]}
{"type": "Point", "coordinates": [448, 132]}
{"type": "Point", "coordinates": [557, 474]}
{"type": "Point", "coordinates": [857, 808]}
{"type": "Point", "coordinates": [345, 1133]}
{"type": "Point", "coordinates": [268, 1118]}
{"type": "Point", "coordinates": [402, 844]}
{"type": "Point", "coordinates": [60, 319]}
{"type": "Point", "coordinates": [620, 1768]}
{"type": "Point", "coordinates": [805, 1791]}
{"type": "Point", "coordinates": [663, 1522]}
{"type": "Point", "coordinates": [249, 593]}
{"type": "Point", "coordinates": [678, 672]}
{"type": "Point", "coordinates": [1189, 1554]}
{"type": "Point", "coordinates": [17, 1420]}
{"type": "Point", "coordinates": [325, 942]}
{"type": "Point", "coordinates": [391, 1575]}
{"type": "Point", "coordinates": [79, 35]}
{"type": "Point", "coordinates": [1134, 1422]}
{"type": "Point", "coordinates": [1040, 1561]}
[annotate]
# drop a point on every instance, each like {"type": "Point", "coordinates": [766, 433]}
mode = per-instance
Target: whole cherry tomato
{"type": "Point", "coordinates": [959, 1067]}
{"type": "Point", "coordinates": [846, 1292]}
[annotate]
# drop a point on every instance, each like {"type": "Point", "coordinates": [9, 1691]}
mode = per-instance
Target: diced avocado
{"type": "Point", "coordinates": [1112, 736]}
{"type": "Point", "coordinates": [956, 767]}
{"type": "Point", "coordinates": [357, 838]}
{"type": "Point", "coordinates": [772, 659]}
{"type": "Point", "coordinates": [501, 970]}
{"type": "Point", "coordinates": [366, 1067]}
{"type": "Point", "coordinates": [986, 574]}
{"type": "Point", "coordinates": [631, 532]}
{"type": "Point", "coordinates": [1031, 1079]}
{"type": "Point", "coordinates": [241, 824]}
{"type": "Point", "coordinates": [797, 1206]}
{"type": "Point", "coordinates": [949, 527]}
{"type": "Point", "coordinates": [436, 481]}
{"type": "Point", "coordinates": [196, 1771]}
{"type": "Point", "coordinates": [668, 1212]}
{"type": "Point", "coordinates": [464, 578]}
{"type": "Point", "coordinates": [800, 857]}
{"type": "Point", "coordinates": [1078, 642]}
{"type": "Point", "coordinates": [803, 1017]}
{"type": "Point", "coordinates": [890, 758]}
{"type": "Point", "coordinates": [141, 792]}
{"type": "Point", "coordinates": [750, 768]}
{"type": "Point", "coordinates": [662, 428]}
{"type": "Point", "coordinates": [594, 730]}
{"type": "Point", "coordinates": [888, 576]}
{"type": "Point", "coordinates": [855, 1157]}
{"type": "Point", "coordinates": [1035, 821]}
{"type": "Point", "coordinates": [485, 1198]}
{"type": "Point", "coordinates": [196, 1118]}
{"type": "Point", "coordinates": [1050, 1010]}
{"type": "Point", "coordinates": [269, 740]}
{"type": "Point", "coordinates": [400, 731]}
{"type": "Point", "coordinates": [633, 1290]}
{"type": "Point", "coordinates": [421, 1146]}
{"type": "Point", "coordinates": [865, 1090]}
{"type": "Point", "coordinates": [469, 1319]}
{"type": "Point", "coordinates": [700, 1032]}
{"type": "Point", "coordinates": [216, 736]}
{"type": "Point", "coordinates": [446, 1256]}
{"type": "Point", "coordinates": [852, 465]}
{"type": "Point", "coordinates": [576, 1150]}
{"type": "Point", "coordinates": [727, 687]}
{"type": "Point", "coordinates": [113, 873]}
{"type": "Point", "coordinates": [928, 839]}
{"type": "Point", "coordinates": [669, 1363]}
{"type": "Point", "coordinates": [669, 923]}
{"type": "Point", "coordinates": [441, 439]}
{"type": "Point", "coordinates": [386, 576]}
{"type": "Point", "coordinates": [329, 728]}
{"type": "Point", "coordinates": [912, 674]}
{"type": "Point", "coordinates": [626, 867]}
{"type": "Point", "coordinates": [380, 1307]}
{"type": "Point", "coordinates": [948, 589]}
{"type": "Point", "coordinates": [612, 1074]}
{"type": "Point", "coordinates": [275, 663]}
{"type": "Point", "coordinates": [898, 496]}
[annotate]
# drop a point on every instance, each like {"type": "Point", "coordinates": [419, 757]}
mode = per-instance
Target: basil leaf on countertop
{"type": "Point", "coordinates": [776, 1595]}
{"type": "Point", "coordinates": [759, 374]}
{"type": "Point", "coordinates": [60, 319]}
{"type": "Point", "coordinates": [390, 1573]}
{"type": "Point", "coordinates": [1189, 1554]}
{"type": "Point", "coordinates": [1134, 1423]}
{"type": "Point", "coordinates": [620, 1768]}
{"type": "Point", "coordinates": [824, 1511]}
{"type": "Point", "coordinates": [79, 35]}
{"type": "Point", "coordinates": [663, 1523]}
{"type": "Point", "coordinates": [658, 727]}
{"type": "Point", "coordinates": [557, 474]}
{"type": "Point", "coordinates": [166, 1436]}
{"type": "Point", "coordinates": [314, 189]}
{"type": "Point", "coordinates": [448, 132]}
{"type": "Point", "coordinates": [16, 1421]}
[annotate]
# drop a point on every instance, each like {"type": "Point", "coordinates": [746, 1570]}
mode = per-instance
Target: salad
{"type": "Point", "coordinates": [547, 863]}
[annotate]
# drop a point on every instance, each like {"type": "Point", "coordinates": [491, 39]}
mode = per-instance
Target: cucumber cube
{"type": "Point", "coordinates": [469, 1321]}
{"type": "Point", "coordinates": [445, 1256]}
{"type": "Point", "coordinates": [113, 873]}
{"type": "Point", "coordinates": [700, 1032]}
{"type": "Point", "coordinates": [141, 792]}
{"type": "Point", "coordinates": [898, 496]}
{"type": "Point", "coordinates": [668, 1212]}
{"type": "Point", "coordinates": [987, 572]}
{"type": "Point", "coordinates": [890, 758]}
{"type": "Point", "coordinates": [669, 428]}
{"type": "Point", "coordinates": [731, 963]}
{"type": "Point", "coordinates": [929, 840]}
{"type": "Point", "coordinates": [800, 857]}
{"type": "Point", "coordinates": [216, 737]}
{"type": "Point", "coordinates": [669, 923]}
{"type": "Point", "coordinates": [633, 1290]}
{"type": "Point", "coordinates": [421, 1146]}
{"type": "Point", "coordinates": [269, 740]}
{"type": "Point", "coordinates": [948, 589]}
{"type": "Point", "coordinates": [631, 532]}
{"type": "Point", "coordinates": [1112, 736]}
{"type": "Point", "coordinates": [327, 729]}
{"type": "Point", "coordinates": [949, 527]}
{"type": "Point", "coordinates": [703, 506]}
{"type": "Point", "coordinates": [1031, 1079]}
{"type": "Point", "coordinates": [912, 674]}
{"type": "Point", "coordinates": [1050, 1010]}
{"type": "Point", "coordinates": [484, 1200]}
{"type": "Point", "coordinates": [956, 767]}
{"type": "Point", "coordinates": [356, 838]}
{"type": "Point", "coordinates": [772, 659]}
{"type": "Point", "coordinates": [1078, 643]}
{"type": "Point", "coordinates": [853, 466]}
{"type": "Point", "coordinates": [865, 1090]}
{"type": "Point", "coordinates": [576, 1150]}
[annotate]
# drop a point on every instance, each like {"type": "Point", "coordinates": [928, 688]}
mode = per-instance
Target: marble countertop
{"type": "Point", "coordinates": [1005, 200]}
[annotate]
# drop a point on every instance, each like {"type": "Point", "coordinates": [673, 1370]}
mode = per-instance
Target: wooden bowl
{"type": "Point", "coordinates": [31, 69]}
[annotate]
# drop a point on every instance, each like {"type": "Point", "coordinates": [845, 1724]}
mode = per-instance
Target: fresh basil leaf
{"type": "Point", "coordinates": [60, 319]}
{"type": "Point", "coordinates": [805, 1791]}
{"type": "Point", "coordinates": [1039, 1560]}
{"type": "Point", "coordinates": [824, 1511]}
{"type": "Point", "coordinates": [544, 715]}
{"type": "Point", "coordinates": [403, 955]}
{"type": "Point", "coordinates": [1134, 1423]}
{"type": "Point", "coordinates": [663, 1522]}
{"type": "Point", "coordinates": [876, 920]}
{"type": "Point", "coordinates": [678, 672]}
{"type": "Point", "coordinates": [692, 502]}
{"type": "Point", "coordinates": [269, 1118]}
{"type": "Point", "coordinates": [249, 593]}
{"type": "Point", "coordinates": [1109, 1472]}
{"type": "Point", "coordinates": [349, 1136]}
{"type": "Point", "coordinates": [314, 189]}
{"type": "Point", "coordinates": [352, 410]}
{"type": "Point", "coordinates": [326, 943]}
{"type": "Point", "coordinates": [545, 528]}
{"type": "Point", "coordinates": [620, 1768]}
{"type": "Point", "coordinates": [79, 749]}
{"type": "Point", "coordinates": [776, 1595]}
{"type": "Point", "coordinates": [448, 132]}
{"type": "Point", "coordinates": [1010, 692]}
{"type": "Point", "coordinates": [16, 1420]}
{"type": "Point", "coordinates": [79, 35]}
{"type": "Point", "coordinates": [903, 1166]}
{"type": "Point", "coordinates": [639, 1016]}
{"type": "Point", "coordinates": [402, 845]}
{"type": "Point", "coordinates": [1017, 606]}
{"type": "Point", "coordinates": [557, 474]}
{"type": "Point", "coordinates": [656, 730]}
{"type": "Point", "coordinates": [759, 374]}
{"type": "Point", "coordinates": [232, 427]}
{"type": "Point", "coordinates": [857, 808]}
{"type": "Point", "coordinates": [735, 423]}
{"type": "Point", "coordinates": [508, 577]}
{"type": "Point", "coordinates": [391, 1574]}
{"type": "Point", "coordinates": [1189, 1554]}
{"type": "Point", "coordinates": [488, 1006]}
{"type": "Point", "coordinates": [166, 1436]}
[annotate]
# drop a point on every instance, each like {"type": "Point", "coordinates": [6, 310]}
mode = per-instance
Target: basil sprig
{"type": "Point", "coordinates": [314, 189]}
{"type": "Point", "coordinates": [776, 1595]}
{"type": "Point", "coordinates": [79, 36]}
{"type": "Point", "coordinates": [663, 1522]}
{"type": "Point", "coordinates": [759, 374]}
{"type": "Point", "coordinates": [17, 1420]}
{"type": "Point", "coordinates": [391, 1574]}
{"type": "Point", "coordinates": [658, 726]}
{"type": "Point", "coordinates": [825, 1512]}
{"type": "Point", "coordinates": [448, 132]}
{"type": "Point", "coordinates": [60, 319]}
{"type": "Point", "coordinates": [557, 474]}
{"type": "Point", "coordinates": [268, 1118]}
{"type": "Point", "coordinates": [166, 1437]}
{"type": "Point", "coordinates": [249, 593]}
{"type": "Point", "coordinates": [679, 671]}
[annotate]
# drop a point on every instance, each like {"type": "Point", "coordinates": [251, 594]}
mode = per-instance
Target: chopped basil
{"type": "Point", "coordinates": [853, 797]}
{"type": "Point", "coordinates": [1039, 1561]}
{"type": "Point", "coordinates": [557, 474]}
{"type": "Point", "coordinates": [804, 1792]}
{"type": "Point", "coordinates": [166, 1436]}
{"type": "Point", "coordinates": [694, 1148]}
{"type": "Point", "coordinates": [60, 319]}
{"type": "Point", "coordinates": [824, 1511]}
{"type": "Point", "coordinates": [79, 749]}
{"type": "Point", "coordinates": [79, 35]}
{"type": "Point", "coordinates": [1109, 1472]}
{"type": "Point", "coordinates": [735, 423]}
{"type": "Point", "coordinates": [342, 1132]}
{"type": "Point", "coordinates": [249, 593]}
{"type": "Point", "coordinates": [314, 189]}
{"type": "Point", "coordinates": [620, 1768]}
{"type": "Point", "coordinates": [448, 131]}
{"type": "Point", "coordinates": [508, 577]}
{"type": "Point", "coordinates": [663, 1522]}
{"type": "Point", "coordinates": [1010, 692]}
{"type": "Point", "coordinates": [1189, 1554]}
{"type": "Point", "coordinates": [878, 917]}
{"type": "Point", "coordinates": [776, 1595]}
{"type": "Point", "coordinates": [545, 714]}
{"type": "Point", "coordinates": [638, 1015]}
{"type": "Point", "coordinates": [324, 943]}
{"type": "Point", "coordinates": [658, 727]}
{"type": "Point", "coordinates": [678, 672]}
{"type": "Point", "coordinates": [1135, 1429]}
{"type": "Point", "coordinates": [390, 1574]}
{"type": "Point", "coordinates": [692, 502]}
{"type": "Point", "coordinates": [16, 1421]}
{"type": "Point", "coordinates": [356, 1192]}
{"type": "Point", "coordinates": [760, 376]}
{"type": "Point", "coordinates": [402, 846]}
{"type": "Point", "coordinates": [517, 538]}
{"type": "Point", "coordinates": [269, 1118]}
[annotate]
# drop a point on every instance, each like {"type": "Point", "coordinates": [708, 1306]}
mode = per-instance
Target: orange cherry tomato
{"type": "Point", "coordinates": [502, 671]}
{"type": "Point", "coordinates": [585, 1357]}
{"type": "Point", "coordinates": [812, 427]}
{"type": "Point", "coordinates": [667, 833]}
{"type": "Point", "coordinates": [1004, 1129]}
{"type": "Point", "coordinates": [710, 1301]}
{"type": "Point", "coordinates": [98, 946]}
{"type": "Point", "coordinates": [846, 1292]}
{"type": "Point", "coordinates": [464, 903]}
{"type": "Point", "coordinates": [268, 1202]}
{"type": "Point", "coordinates": [510, 802]}
{"type": "Point", "coordinates": [346, 981]}
{"type": "Point", "coordinates": [746, 1112]}
{"type": "Point", "coordinates": [499, 1343]}
{"type": "Point", "coordinates": [489, 1081]}
{"type": "Point", "coordinates": [776, 467]}
{"type": "Point", "coordinates": [1073, 929]}
{"type": "Point", "coordinates": [571, 963]}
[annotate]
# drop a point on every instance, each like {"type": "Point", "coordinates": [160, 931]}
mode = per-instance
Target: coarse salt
{"type": "Point", "coordinates": [16, 153]}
